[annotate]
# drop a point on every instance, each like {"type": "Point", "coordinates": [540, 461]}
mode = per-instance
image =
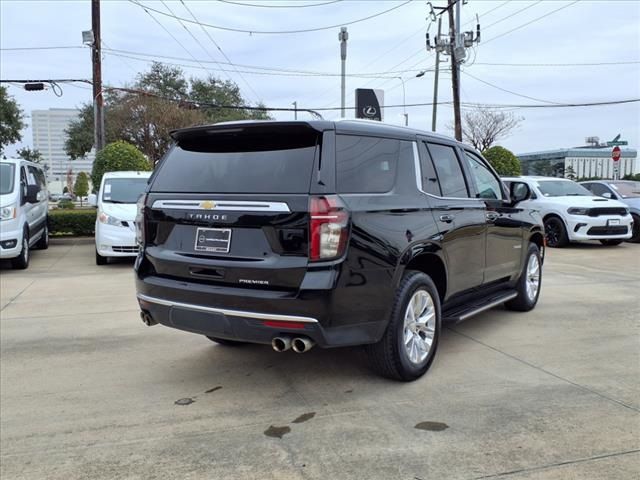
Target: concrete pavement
{"type": "Point", "coordinates": [87, 391]}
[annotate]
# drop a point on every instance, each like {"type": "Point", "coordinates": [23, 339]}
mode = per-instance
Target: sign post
{"type": "Point", "coordinates": [615, 156]}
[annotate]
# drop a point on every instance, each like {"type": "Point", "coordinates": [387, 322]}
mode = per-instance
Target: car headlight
{"type": "Point", "coordinates": [109, 220]}
{"type": "Point", "coordinates": [8, 212]}
{"type": "Point", "coordinates": [578, 211]}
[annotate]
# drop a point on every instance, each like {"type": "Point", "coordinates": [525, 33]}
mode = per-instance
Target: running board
{"type": "Point", "coordinates": [458, 314]}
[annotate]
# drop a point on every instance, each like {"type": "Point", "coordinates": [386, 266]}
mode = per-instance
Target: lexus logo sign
{"type": "Point", "coordinates": [369, 112]}
{"type": "Point", "coordinates": [369, 103]}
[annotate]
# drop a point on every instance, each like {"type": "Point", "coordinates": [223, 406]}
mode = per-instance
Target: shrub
{"type": "Point", "coordinates": [72, 222]}
{"type": "Point", "coordinates": [503, 160]}
{"type": "Point", "coordinates": [116, 157]}
{"type": "Point", "coordinates": [67, 204]}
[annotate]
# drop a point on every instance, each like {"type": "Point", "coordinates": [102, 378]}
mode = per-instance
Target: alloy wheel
{"type": "Point", "coordinates": [419, 326]}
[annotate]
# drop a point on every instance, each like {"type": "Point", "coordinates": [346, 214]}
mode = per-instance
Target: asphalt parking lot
{"type": "Point", "coordinates": [88, 391]}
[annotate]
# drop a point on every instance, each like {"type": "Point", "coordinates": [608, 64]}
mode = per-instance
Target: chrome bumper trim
{"type": "Point", "coordinates": [224, 311]}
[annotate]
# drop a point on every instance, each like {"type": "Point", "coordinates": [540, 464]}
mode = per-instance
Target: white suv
{"type": "Point", "coordinates": [115, 221]}
{"type": "Point", "coordinates": [572, 213]}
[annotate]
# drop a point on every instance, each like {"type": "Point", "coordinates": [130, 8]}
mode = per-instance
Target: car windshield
{"type": "Point", "coordinates": [6, 178]}
{"type": "Point", "coordinates": [562, 188]}
{"type": "Point", "coordinates": [627, 189]}
{"type": "Point", "coordinates": [123, 190]}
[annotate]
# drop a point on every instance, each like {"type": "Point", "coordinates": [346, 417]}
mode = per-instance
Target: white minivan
{"type": "Point", "coordinates": [115, 220]}
{"type": "Point", "coordinates": [24, 210]}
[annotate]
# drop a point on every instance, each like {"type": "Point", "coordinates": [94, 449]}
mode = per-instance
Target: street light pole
{"type": "Point", "coordinates": [295, 110]}
{"type": "Point", "coordinates": [98, 100]}
{"type": "Point", "coordinates": [343, 36]}
{"type": "Point", "coordinates": [434, 110]}
{"type": "Point", "coordinates": [404, 103]}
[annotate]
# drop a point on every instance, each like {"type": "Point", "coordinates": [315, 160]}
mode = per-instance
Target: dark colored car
{"type": "Point", "coordinates": [333, 234]}
{"type": "Point", "coordinates": [625, 191]}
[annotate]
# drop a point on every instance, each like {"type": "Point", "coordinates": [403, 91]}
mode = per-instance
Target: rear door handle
{"type": "Point", "coordinates": [492, 216]}
{"type": "Point", "coordinates": [447, 218]}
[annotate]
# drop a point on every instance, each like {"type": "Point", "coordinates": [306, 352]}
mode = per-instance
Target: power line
{"type": "Point", "coordinates": [512, 15]}
{"type": "Point", "coordinates": [508, 91]}
{"type": "Point", "coordinates": [277, 32]}
{"type": "Point", "coordinates": [289, 109]}
{"type": "Point", "coordinates": [171, 35]}
{"type": "Point", "coordinates": [250, 72]}
{"type": "Point", "coordinates": [241, 4]}
{"type": "Point", "coordinates": [595, 64]}
{"type": "Point", "coordinates": [41, 48]}
{"type": "Point", "coordinates": [221, 51]}
{"type": "Point", "coordinates": [531, 21]}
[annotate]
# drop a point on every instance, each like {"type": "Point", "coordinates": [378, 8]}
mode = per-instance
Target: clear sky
{"type": "Point", "coordinates": [513, 32]}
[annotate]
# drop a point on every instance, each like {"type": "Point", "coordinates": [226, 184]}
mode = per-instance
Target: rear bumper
{"type": "Point", "coordinates": [257, 316]}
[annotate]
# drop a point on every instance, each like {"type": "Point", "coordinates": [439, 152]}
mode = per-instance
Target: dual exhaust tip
{"type": "Point", "coordinates": [298, 344]}
{"type": "Point", "coordinates": [147, 319]}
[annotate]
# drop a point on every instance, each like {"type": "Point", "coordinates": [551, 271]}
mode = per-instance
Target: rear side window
{"type": "Point", "coordinates": [449, 171]}
{"type": "Point", "coordinates": [264, 161]}
{"type": "Point", "coordinates": [367, 164]}
{"type": "Point", "coordinates": [36, 176]}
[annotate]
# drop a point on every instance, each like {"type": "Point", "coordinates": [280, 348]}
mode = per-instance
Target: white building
{"type": "Point", "coordinates": [49, 137]}
{"type": "Point", "coordinates": [584, 161]}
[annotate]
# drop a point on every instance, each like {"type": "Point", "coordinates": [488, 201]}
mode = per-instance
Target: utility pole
{"type": "Point", "coordinates": [343, 36]}
{"type": "Point", "coordinates": [455, 68]}
{"type": "Point", "coordinates": [96, 60]}
{"type": "Point", "coordinates": [435, 82]}
{"type": "Point", "coordinates": [295, 110]}
{"type": "Point", "coordinates": [454, 45]}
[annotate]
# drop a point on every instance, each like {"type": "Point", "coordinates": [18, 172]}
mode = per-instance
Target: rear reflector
{"type": "Point", "coordinates": [280, 324]}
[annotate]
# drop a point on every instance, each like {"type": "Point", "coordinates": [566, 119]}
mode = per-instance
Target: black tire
{"type": "Point", "coordinates": [555, 232]}
{"type": "Point", "coordinates": [227, 343]}
{"type": "Point", "coordinates": [635, 236]}
{"type": "Point", "coordinates": [21, 262]}
{"type": "Point", "coordinates": [389, 357]}
{"type": "Point", "coordinates": [43, 243]}
{"type": "Point", "coordinates": [524, 302]}
{"type": "Point", "coordinates": [611, 243]}
{"type": "Point", "coordinates": [100, 260]}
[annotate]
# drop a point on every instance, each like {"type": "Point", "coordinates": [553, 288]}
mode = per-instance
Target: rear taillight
{"type": "Point", "coordinates": [328, 228]}
{"type": "Point", "coordinates": [140, 220]}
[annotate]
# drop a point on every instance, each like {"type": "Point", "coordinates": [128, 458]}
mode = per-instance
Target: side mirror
{"type": "Point", "coordinates": [607, 195]}
{"type": "Point", "coordinates": [32, 192]}
{"type": "Point", "coordinates": [92, 200]}
{"type": "Point", "coordinates": [518, 192]}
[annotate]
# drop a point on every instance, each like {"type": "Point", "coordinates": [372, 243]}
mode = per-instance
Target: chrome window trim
{"type": "Point", "coordinates": [418, 168]}
{"type": "Point", "coordinates": [226, 205]}
{"type": "Point", "coordinates": [224, 311]}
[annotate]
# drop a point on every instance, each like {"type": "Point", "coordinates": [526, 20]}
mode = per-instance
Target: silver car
{"type": "Point", "coordinates": [625, 191]}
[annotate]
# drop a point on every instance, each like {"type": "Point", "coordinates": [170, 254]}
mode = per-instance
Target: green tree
{"type": "Point", "coordinates": [145, 121]}
{"type": "Point", "coordinates": [81, 187]}
{"type": "Point", "coordinates": [503, 160]}
{"type": "Point", "coordinates": [115, 157]}
{"type": "Point", "coordinates": [570, 173]}
{"type": "Point", "coordinates": [29, 154]}
{"type": "Point", "coordinates": [10, 120]}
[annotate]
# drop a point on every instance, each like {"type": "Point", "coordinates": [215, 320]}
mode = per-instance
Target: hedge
{"type": "Point", "coordinates": [72, 222]}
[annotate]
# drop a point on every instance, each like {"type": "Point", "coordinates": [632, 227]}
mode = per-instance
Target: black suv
{"type": "Point", "coordinates": [333, 234]}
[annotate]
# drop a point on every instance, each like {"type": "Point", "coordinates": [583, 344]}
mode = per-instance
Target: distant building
{"type": "Point", "coordinates": [587, 161]}
{"type": "Point", "coordinates": [49, 137]}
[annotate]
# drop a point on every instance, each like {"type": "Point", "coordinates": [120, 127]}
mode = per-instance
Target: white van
{"type": "Point", "coordinates": [115, 219]}
{"type": "Point", "coordinates": [24, 208]}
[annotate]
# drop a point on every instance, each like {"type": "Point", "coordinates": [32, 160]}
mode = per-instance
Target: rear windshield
{"type": "Point", "coordinates": [245, 162]}
{"type": "Point", "coordinates": [123, 190]}
{"type": "Point", "coordinates": [6, 178]}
